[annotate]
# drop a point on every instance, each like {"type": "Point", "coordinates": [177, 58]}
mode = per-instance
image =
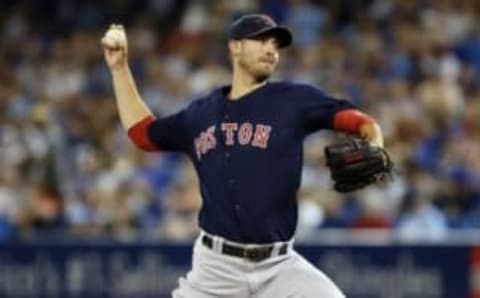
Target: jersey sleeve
{"type": "Point", "coordinates": [170, 133]}
{"type": "Point", "coordinates": [318, 109]}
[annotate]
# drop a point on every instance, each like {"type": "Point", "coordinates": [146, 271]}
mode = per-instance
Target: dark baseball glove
{"type": "Point", "coordinates": [356, 164]}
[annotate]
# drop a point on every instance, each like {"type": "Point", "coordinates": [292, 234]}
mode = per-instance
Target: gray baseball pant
{"type": "Point", "coordinates": [214, 274]}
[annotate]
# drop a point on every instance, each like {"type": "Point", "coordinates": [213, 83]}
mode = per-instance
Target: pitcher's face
{"type": "Point", "coordinates": [259, 57]}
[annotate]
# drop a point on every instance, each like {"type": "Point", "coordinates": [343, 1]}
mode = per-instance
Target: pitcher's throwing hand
{"type": "Point", "coordinates": [115, 46]}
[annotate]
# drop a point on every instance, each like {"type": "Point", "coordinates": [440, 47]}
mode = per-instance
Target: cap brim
{"type": "Point", "coordinates": [282, 34]}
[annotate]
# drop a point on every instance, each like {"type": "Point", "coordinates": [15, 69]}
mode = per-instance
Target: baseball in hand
{"type": "Point", "coordinates": [115, 38]}
{"type": "Point", "coordinates": [115, 46]}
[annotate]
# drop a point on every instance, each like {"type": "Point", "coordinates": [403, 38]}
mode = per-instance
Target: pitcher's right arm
{"type": "Point", "coordinates": [135, 116]}
{"type": "Point", "coordinates": [130, 105]}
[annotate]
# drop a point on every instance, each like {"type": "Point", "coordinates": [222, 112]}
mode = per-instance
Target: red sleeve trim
{"type": "Point", "coordinates": [350, 121]}
{"type": "Point", "coordinates": [139, 136]}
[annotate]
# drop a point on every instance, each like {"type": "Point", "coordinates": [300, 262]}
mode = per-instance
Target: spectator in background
{"type": "Point", "coordinates": [307, 21]}
{"type": "Point", "coordinates": [420, 219]}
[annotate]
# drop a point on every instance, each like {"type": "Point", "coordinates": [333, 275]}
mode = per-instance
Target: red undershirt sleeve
{"type": "Point", "coordinates": [138, 133]}
{"type": "Point", "coordinates": [350, 121]}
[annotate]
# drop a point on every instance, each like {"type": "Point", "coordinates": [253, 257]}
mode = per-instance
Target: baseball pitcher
{"type": "Point", "coordinates": [246, 143]}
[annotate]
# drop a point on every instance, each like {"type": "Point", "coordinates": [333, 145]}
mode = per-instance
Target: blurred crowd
{"type": "Point", "coordinates": [68, 168]}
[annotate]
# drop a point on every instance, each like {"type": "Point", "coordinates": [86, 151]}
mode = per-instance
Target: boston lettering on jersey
{"type": "Point", "coordinates": [248, 155]}
{"type": "Point", "coordinates": [234, 133]}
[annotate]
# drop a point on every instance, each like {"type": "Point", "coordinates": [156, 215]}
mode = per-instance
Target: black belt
{"type": "Point", "coordinates": [254, 254]}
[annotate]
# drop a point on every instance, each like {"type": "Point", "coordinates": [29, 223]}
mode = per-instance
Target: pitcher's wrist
{"type": "Point", "coordinates": [119, 68]}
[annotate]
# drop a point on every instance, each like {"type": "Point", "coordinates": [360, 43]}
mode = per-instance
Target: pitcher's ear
{"type": "Point", "coordinates": [234, 47]}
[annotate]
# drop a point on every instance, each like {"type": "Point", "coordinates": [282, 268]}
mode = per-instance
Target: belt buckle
{"type": "Point", "coordinates": [256, 254]}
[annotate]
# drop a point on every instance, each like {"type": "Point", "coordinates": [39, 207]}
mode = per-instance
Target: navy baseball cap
{"type": "Point", "coordinates": [254, 25]}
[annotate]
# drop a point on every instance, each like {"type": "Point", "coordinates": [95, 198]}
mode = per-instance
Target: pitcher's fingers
{"type": "Point", "coordinates": [110, 43]}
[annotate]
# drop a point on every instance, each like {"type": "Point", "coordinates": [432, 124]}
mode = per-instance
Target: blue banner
{"type": "Point", "coordinates": [144, 271]}
{"type": "Point", "coordinates": [395, 272]}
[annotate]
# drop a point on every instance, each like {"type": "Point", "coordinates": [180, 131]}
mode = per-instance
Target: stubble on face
{"type": "Point", "coordinates": [258, 64]}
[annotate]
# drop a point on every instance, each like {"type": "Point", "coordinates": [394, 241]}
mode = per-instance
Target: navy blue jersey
{"type": "Point", "coordinates": [248, 154]}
